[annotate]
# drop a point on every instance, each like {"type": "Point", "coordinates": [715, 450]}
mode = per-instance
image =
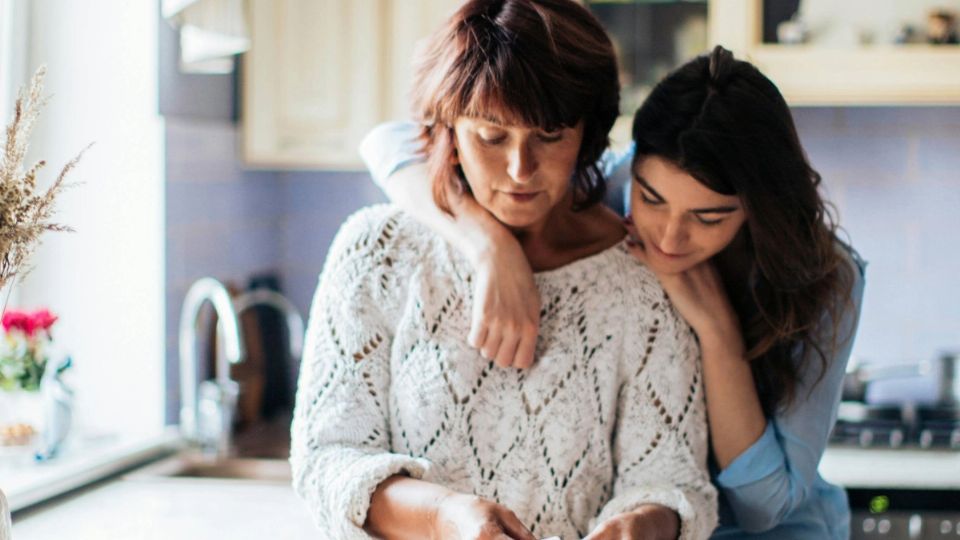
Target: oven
{"type": "Point", "coordinates": [904, 514]}
{"type": "Point", "coordinates": [900, 464]}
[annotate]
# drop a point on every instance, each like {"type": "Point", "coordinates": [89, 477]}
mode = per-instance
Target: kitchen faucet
{"type": "Point", "coordinates": [207, 420]}
{"type": "Point", "coordinates": [271, 298]}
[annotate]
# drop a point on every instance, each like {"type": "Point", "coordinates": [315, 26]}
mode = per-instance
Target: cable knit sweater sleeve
{"type": "Point", "coordinates": [340, 434]}
{"type": "Point", "coordinates": [660, 450]}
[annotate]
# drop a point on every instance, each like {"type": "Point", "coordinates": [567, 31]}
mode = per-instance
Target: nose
{"type": "Point", "coordinates": [522, 163]}
{"type": "Point", "coordinates": [674, 236]}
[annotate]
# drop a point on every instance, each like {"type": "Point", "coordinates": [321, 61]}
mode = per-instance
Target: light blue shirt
{"type": "Point", "coordinates": [772, 491]}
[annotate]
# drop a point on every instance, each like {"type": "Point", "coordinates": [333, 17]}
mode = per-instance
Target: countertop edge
{"type": "Point", "coordinates": [82, 471]}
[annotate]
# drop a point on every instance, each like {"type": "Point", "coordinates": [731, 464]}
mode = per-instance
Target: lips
{"type": "Point", "coordinates": [522, 196]}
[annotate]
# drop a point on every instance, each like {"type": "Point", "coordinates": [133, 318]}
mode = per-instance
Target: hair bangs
{"type": "Point", "coordinates": [504, 88]}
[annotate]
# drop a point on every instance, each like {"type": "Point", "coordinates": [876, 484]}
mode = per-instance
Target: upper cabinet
{"type": "Point", "coordinates": [321, 73]}
{"type": "Point", "coordinates": [854, 52]}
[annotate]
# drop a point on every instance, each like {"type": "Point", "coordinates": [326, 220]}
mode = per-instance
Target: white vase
{"type": "Point", "coordinates": [21, 408]}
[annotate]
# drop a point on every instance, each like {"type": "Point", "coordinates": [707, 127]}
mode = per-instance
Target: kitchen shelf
{"type": "Point", "coordinates": [913, 74]}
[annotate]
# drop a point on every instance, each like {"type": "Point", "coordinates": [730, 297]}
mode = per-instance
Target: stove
{"type": "Point", "coordinates": [904, 514]}
{"type": "Point", "coordinates": [935, 427]}
{"type": "Point", "coordinates": [898, 513]}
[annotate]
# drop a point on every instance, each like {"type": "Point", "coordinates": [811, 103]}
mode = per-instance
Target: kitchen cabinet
{"type": "Point", "coordinates": [321, 73]}
{"type": "Point", "coordinates": [825, 75]}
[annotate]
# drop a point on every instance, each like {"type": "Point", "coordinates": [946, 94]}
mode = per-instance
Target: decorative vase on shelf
{"type": "Point", "coordinates": [26, 213]}
{"type": "Point", "coordinates": [21, 417]}
{"type": "Point", "coordinates": [24, 354]}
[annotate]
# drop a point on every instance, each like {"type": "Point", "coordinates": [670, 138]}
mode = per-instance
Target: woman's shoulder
{"type": "Point", "coordinates": [381, 233]}
{"type": "Point", "coordinates": [615, 277]}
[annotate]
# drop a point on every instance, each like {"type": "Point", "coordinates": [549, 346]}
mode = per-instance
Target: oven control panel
{"type": "Point", "coordinates": [904, 514]}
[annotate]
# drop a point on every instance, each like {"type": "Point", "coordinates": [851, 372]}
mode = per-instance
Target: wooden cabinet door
{"type": "Point", "coordinates": [312, 81]}
{"type": "Point", "coordinates": [321, 73]}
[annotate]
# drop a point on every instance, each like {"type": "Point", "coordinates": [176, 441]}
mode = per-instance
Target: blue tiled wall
{"type": "Point", "coordinates": [315, 204]}
{"type": "Point", "coordinates": [230, 223]}
{"type": "Point", "coordinates": [894, 174]}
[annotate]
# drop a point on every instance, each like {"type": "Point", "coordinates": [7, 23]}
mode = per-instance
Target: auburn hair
{"type": "Point", "coordinates": [542, 63]}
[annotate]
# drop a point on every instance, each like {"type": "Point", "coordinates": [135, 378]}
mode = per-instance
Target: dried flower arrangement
{"type": "Point", "coordinates": [25, 211]}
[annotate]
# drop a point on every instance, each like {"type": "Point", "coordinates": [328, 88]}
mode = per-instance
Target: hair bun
{"type": "Point", "coordinates": [721, 66]}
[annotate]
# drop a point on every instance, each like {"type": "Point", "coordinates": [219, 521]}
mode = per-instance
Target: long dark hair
{"type": "Point", "coordinates": [544, 63]}
{"type": "Point", "coordinates": [726, 124]}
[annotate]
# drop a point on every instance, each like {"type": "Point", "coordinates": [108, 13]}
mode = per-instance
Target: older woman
{"type": "Point", "coordinates": [401, 429]}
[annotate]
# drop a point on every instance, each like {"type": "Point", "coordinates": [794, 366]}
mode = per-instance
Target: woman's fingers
{"type": "Point", "coordinates": [512, 526]}
{"type": "Point", "coordinates": [526, 350]}
{"type": "Point", "coordinates": [478, 332]}
{"type": "Point", "coordinates": [492, 344]}
{"type": "Point", "coordinates": [508, 349]}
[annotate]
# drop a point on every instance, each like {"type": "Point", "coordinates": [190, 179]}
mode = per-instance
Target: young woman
{"type": "Point", "coordinates": [725, 210]}
{"type": "Point", "coordinates": [401, 430]}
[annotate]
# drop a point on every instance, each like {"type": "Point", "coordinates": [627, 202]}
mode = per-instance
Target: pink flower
{"type": "Point", "coordinates": [28, 323]}
{"type": "Point", "coordinates": [43, 319]}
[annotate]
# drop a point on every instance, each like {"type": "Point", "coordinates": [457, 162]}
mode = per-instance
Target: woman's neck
{"type": "Point", "coordinates": [565, 235]}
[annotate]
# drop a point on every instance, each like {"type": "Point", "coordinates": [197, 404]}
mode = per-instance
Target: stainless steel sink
{"type": "Point", "coordinates": [186, 465]}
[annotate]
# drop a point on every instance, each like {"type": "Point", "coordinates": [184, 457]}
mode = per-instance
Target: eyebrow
{"type": "Point", "coordinates": [710, 210]}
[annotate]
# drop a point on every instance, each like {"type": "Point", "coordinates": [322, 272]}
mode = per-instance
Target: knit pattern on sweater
{"type": "Point", "coordinates": [610, 417]}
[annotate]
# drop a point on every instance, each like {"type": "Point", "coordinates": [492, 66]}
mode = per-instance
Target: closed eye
{"type": "Point", "coordinates": [647, 199]}
{"type": "Point", "coordinates": [493, 141]}
{"type": "Point", "coordinates": [709, 222]}
{"type": "Point", "coordinates": [552, 137]}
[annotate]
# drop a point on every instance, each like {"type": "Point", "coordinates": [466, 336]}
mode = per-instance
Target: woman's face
{"type": "Point", "coordinates": [680, 221]}
{"type": "Point", "coordinates": [518, 173]}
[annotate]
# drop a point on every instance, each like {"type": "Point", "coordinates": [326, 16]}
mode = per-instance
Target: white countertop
{"type": "Point", "coordinates": [889, 468]}
{"type": "Point", "coordinates": [148, 506]}
{"type": "Point", "coordinates": [171, 508]}
{"type": "Point", "coordinates": [81, 462]}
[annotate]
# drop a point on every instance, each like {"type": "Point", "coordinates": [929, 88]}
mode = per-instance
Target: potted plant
{"type": "Point", "coordinates": [25, 214]}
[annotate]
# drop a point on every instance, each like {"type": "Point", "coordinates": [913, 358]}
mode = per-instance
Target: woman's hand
{"type": "Point", "coordinates": [648, 522]}
{"type": "Point", "coordinates": [506, 308]}
{"type": "Point", "coordinates": [698, 295]}
{"type": "Point", "coordinates": [505, 320]}
{"type": "Point", "coordinates": [467, 517]}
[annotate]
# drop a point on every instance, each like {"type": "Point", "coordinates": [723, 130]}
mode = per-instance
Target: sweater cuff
{"type": "Point", "coordinates": [758, 461]}
{"type": "Point", "coordinates": [696, 520]}
{"type": "Point", "coordinates": [359, 479]}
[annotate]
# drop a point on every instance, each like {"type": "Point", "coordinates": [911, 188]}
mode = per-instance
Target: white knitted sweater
{"type": "Point", "coordinates": [611, 415]}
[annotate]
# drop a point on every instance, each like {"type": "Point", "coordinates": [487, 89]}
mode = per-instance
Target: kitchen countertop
{"type": "Point", "coordinates": [170, 508]}
{"type": "Point", "coordinates": [906, 468]}
{"type": "Point", "coordinates": [150, 506]}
